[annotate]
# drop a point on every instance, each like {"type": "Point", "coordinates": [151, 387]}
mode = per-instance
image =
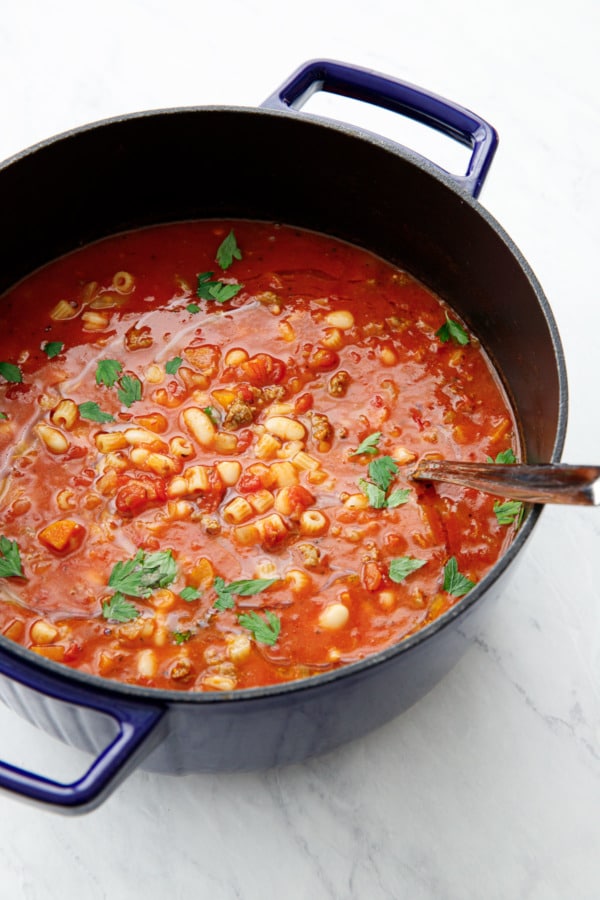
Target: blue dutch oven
{"type": "Point", "coordinates": [281, 165]}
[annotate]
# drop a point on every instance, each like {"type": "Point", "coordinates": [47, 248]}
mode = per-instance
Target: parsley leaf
{"type": "Point", "coordinates": [3, 416]}
{"type": "Point", "coordinates": [509, 512]}
{"type": "Point", "coordinates": [369, 445]}
{"type": "Point", "coordinates": [505, 457]}
{"type": "Point", "coordinates": [10, 558]}
{"type": "Point", "coordinates": [172, 367]}
{"type": "Point", "coordinates": [108, 371]}
{"type": "Point", "coordinates": [146, 572]}
{"type": "Point", "coordinates": [193, 308]}
{"type": "Point", "coordinates": [383, 471]}
{"type": "Point", "coordinates": [397, 497]}
{"type": "Point", "coordinates": [402, 566]}
{"type": "Point", "coordinates": [451, 329]}
{"type": "Point", "coordinates": [374, 494]}
{"type": "Point", "coordinates": [180, 637]}
{"type": "Point", "coordinates": [215, 290]}
{"type": "Point", "coordinates": [245, 587]}
{"type": "Point", "coordinates": [228, 251]}
{"type": "Point", "coordinates": [90, 410]}
{"type": "Point", "coordinates": [118, 609]}
{"type": "Point", "coordinates": [190, 593]}
{"type": "Point", "coordinates": [130, 390]}
{"type": "Point", "coordinates": [264, 630]}
{"type": "Point", "coordinates": [11, 373]}
{"type": "Point", "coordinates": [455, 583]}
{"type": "Point", "coordinates": [52, 348]}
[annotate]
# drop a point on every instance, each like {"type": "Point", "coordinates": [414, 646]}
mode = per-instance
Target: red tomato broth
{"type": "Point", "coordinates": [273, 351]}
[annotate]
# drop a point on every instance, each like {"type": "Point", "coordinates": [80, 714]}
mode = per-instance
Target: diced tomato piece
{"type": "Point", "coordinates": [260, 370]}
{"type": "Point", "coordinates": [249, 483]}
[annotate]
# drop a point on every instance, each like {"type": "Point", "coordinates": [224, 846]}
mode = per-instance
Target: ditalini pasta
{"type": "Point", "coordinates": [206, 435]}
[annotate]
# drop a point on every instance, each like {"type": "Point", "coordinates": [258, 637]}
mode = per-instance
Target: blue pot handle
{"type": "Point", "coordinates": [139, 730]}
{"type": "Point", "coordinates": [398, 96]}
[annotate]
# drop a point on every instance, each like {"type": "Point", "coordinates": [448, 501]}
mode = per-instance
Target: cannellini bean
{"type": "Point", "coordinates": [43, 632]}
{"type": "Point", "coordinates": [334, 616]}
{"type": "Point", "coordinates": [388, 356]}
{"type": "Point", "coordinates": [53, 439]}
{"type": "Point", "coordinates": [235, 357]}
{"type": "Point", "coordinates": [147, 663]}
{"type": "Point", "coordinates": [340, 318]}
{"type": "Point", "coordinates": [285, 428]}
{"type": "Point", "coordinates": [154, 374]}
{"type": "Point", "coordinates": [403, 456]}
{"type": "Point", "coordinates": [200, 425]}
{"type": "Point", "coordinates": [229, 471]}
{"type": "Point", "coordinates": [142, 436]}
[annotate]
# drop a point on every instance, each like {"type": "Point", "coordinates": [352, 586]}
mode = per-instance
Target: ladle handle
{"type": "Point", "coordinates": [543, 483]}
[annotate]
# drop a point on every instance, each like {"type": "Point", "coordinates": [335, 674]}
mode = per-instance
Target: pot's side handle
{"type": "Point", "coordinates": [138, 731]}
{"type": "Point", "coordinates": [398, 96]}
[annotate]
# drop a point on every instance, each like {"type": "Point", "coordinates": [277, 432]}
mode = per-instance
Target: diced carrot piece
{"type": "Point", "coordinates": [62, 536]}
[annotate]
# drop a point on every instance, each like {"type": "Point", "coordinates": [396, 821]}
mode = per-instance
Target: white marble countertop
{"type": "Point", "coordinates": [490, 786]}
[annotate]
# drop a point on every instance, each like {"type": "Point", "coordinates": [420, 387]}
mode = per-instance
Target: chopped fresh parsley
{"type": "Point", "coordinates": [215, 290]}
{"type": "Point", "coordinates": [212, 414]}
{"type": "Point", "coordinates": [190, 593]}
{"type": "Point", "coordinates": [505, 457]}
{"type": "Point", "coordinates": [193, 308]}
{"type": "Point", "coordinates": [369, 445]}
{"type": "Point", "coordinates": [264, 630]}
{"type": "Point", "coordinates": [146, 572]}
{"type": "Point", "coordinates": [172, 367]}
{"type": "Point", "coordinates": [402, 566]}
{"type": "Point", "coordinates": [455, 583]}
{"type": "Point", "coordinates": [108, 371]}
{"type": "Point", "coordinates": [3, 416]}
{"type": "Point", "coordinates": [180, 637]}
{"type": "Point", "coordinates": [508, 513]}
{"type": "Point", "coordinates": [10, 558]}
{"type": "Point", "coordinates": [129, 390]}
{"type": "Point", "coordinates": [452, 330]}
{"type": "Point", "coordinates": [90, 410]}
{"type": "Point", "coordinates": [245, 587]}
{"type": "Point", "coordinates": [11, 373]}
{"type": "Point", "coordinates": [52, 348]}
{"type": "Point", "coordinates": [228, 251]}
{"type": "Point", "coordinates": [382, 472]}
{"type": "Point", "coordinates": [118, 609]}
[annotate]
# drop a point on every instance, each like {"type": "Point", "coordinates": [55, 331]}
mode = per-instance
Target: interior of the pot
{"type": "Point", "coordinates": [256, 164]}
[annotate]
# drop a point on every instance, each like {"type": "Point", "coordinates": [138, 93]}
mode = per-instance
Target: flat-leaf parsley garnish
{"type": "Point", "coordinates": [455, 583]}
{"type": "Point", "coordinates": [90, 410]}
{"type": "Point", "coordinates": [129, 390]}
{"type": "Point", "coordinates": [215, 290]}
{"type": "Point", "coordinates": [173, 365]}
{"type": "Point", "coordinates": [245, 587]}
{"type": "Point", "coordinates": [108, 372]}
{"type": "Point", "coordinates": [504, 458]}
{"type": "Point", "coordinates": [264, 630]}
{"type": "Point", "coordinates": [52, 348]}
{"type": "Point", "coordinates": [146, 572]}
{"type": "Point", "coordinates": [403, 566]}
{"type": "Point", "coordinates": [189, 594]}
{"type": "Point", "coordinates": [228, 251]}
{"type": "Point", "coordinates": [369, 445]}
{"type": "Point", "coordinates": [10, 558]}
{"type": "Point", "coordinates": [382, 472]}
{"type": "Point", "coordinates": [11, 373]}
{"type": "Point", "coordinates": [119, 609]}
{"type": "Point", "coordinates": [509, 512]}
{"type": "Point", "coordinates": [452, 330]}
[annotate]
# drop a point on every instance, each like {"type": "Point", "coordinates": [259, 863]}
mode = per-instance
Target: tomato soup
{"type": "Point", "coordinates": [206, 437]}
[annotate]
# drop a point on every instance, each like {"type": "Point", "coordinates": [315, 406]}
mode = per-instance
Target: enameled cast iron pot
{"type": "Point", "coordinates": [274, 163]}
